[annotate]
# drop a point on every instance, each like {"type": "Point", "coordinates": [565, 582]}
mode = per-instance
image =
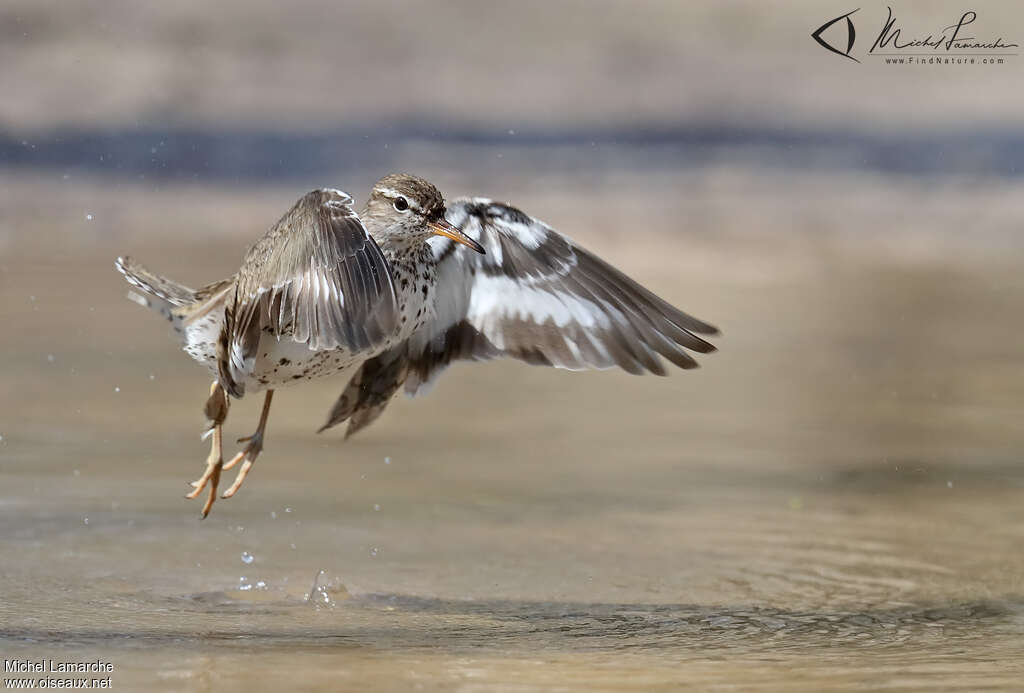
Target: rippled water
{"type": "Point", "coordinates": [834, 501]}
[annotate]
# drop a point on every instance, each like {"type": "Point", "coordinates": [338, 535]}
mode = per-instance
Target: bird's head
{"type": "Point", "coordinates": [405, 206]}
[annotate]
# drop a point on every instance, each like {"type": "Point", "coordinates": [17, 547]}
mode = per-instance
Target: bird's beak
{"type": "Point", "coordinates": [442, 228]}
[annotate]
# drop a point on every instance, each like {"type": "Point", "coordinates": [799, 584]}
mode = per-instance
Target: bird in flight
{"type": "Point", "coordinates": [390, 297]}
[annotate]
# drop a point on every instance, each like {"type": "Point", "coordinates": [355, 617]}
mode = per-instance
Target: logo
{"type": "Point", "coordinates": [956, 43]}
{"type": "Point", "coordinates": [851, 35]}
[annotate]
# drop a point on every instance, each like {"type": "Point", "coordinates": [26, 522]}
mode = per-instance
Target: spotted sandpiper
{"type": "Point", "coordinates": [387, 298]}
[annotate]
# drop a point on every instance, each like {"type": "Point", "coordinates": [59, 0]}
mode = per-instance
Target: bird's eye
{"type": "Point", "coordinates": [401, 204]}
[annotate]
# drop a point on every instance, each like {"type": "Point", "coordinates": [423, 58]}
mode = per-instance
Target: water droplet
{"type": "Point", "coordinates": [287, 510]}
{"type": "Point", "coordinates": [261, 585]}
{"type": "Point", "coordinates": [376, 507]}
{"type": "Point", "coordinates": [152, 377]}
{"type": "Point", "coordinates": [292, 545]}
{"type": "Point", "coordinates": [247, 557]}
{"type": "Point", "coordinates": [50, 358]}
{"type": "Point", "coordinates": [88, 217]}
{"type": "Point", "coordinates": [511, 132]}
{"type": "Point", "coordinates": [949, 484]}
{"type": "Point", "coordinates": [273, 515]}
{"type": "Point", "coordinates": [117, 389]}
{"type": "Point", "coordinates": [373, 551]}
{"type": "Point", "coordinates": [86, 520]}
{"type": "Point", "coordinates": [77, 473]}
{"type": "Point", "coordinates": [387, 460]}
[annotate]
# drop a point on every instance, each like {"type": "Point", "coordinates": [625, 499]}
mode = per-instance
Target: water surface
{"type": "Point", "coordinates": [833, 501]}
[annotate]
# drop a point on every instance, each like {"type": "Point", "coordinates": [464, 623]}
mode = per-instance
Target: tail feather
{"type": "Point", "coordinates": [159, 293]}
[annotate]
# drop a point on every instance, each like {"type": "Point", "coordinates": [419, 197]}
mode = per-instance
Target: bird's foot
{"type": "Point", "coordinates": [246, 456]}
{"type": "Point", "coordinates": [214, 464]}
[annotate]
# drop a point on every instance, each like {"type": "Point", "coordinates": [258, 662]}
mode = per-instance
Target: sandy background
{"type": "Point", "coordinates": [313, 64]}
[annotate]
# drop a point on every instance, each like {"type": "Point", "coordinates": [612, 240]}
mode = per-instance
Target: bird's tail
{"type": "Point", "coordinates": [159, 293]}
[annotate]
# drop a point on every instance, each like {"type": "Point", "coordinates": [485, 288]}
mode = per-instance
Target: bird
{"type": "Point", "coordinates": [388, 298]}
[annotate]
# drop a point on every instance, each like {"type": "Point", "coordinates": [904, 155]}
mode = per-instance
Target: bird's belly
{"type": "Point", "coordinates": [285, 361]}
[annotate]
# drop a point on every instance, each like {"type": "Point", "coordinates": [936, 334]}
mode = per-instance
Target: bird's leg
{"type": "Point", "coordinates": [216, 411]}
{"type": "Point", "coordinates": [251, 451]}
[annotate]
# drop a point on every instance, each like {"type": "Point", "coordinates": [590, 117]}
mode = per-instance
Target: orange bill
{"type": "Point", "coordinates": [443, 228]}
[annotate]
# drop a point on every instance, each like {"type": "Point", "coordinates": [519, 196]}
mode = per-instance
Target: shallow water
{"type": "Point", "coordinates": [833, 501]}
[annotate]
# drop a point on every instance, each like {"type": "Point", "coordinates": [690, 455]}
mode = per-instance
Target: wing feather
{"type": "Point", "coordinates": [318, 278]}
{"type": "Point", "coordinates": [537, 296]}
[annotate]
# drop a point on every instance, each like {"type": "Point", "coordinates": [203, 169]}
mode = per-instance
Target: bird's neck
{"type": "Point", "coordinates": [403, 248]}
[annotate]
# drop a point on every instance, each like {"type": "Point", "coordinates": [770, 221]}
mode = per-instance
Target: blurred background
{"type": "Point", "coordinates": [833, 500]}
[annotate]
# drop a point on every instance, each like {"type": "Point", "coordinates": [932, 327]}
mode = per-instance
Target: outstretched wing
{"type": "Point", "coordinates": [535, 296]}
{"type": "Point", "coordinates": [318, 278]}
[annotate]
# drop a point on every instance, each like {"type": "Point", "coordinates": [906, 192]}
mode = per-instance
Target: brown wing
{"type": "Point", "coordinates": [317, 278]}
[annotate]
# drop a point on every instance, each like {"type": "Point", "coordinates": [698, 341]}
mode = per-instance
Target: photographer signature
{"type": "Point", "coordinates": [890, 37]}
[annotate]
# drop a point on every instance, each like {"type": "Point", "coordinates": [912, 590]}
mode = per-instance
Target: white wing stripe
{"type": "Point", "coordinates": [509, 298]}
